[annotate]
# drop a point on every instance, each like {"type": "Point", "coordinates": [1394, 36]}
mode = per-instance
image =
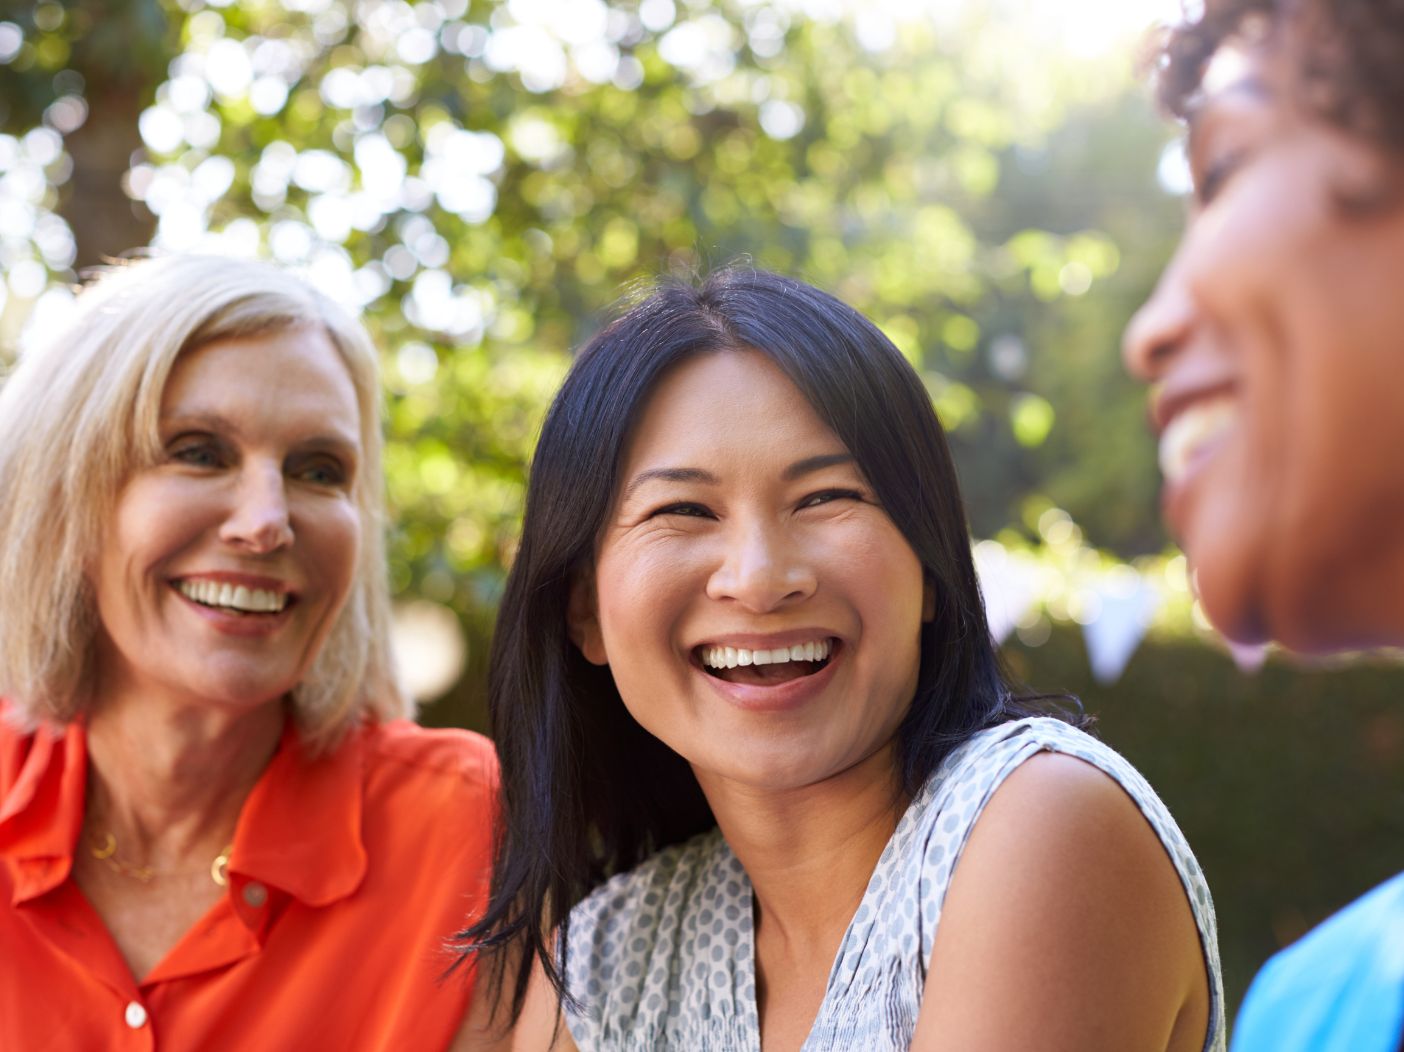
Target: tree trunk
{"type": "Point", "coordinates": [104, 220]}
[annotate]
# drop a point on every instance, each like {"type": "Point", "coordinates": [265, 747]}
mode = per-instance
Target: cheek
{"type": "Point", "coordinates": [639, 595]}
{"type": "Point", "coordinates": [876, 564]}
{"type": "Point", "coordinates": [149, 524]}
{"type": "Point", "coordinates": [1248, 247]}
{"type": "Point", "coordinates": [877, 568]}
{"type": "Point", "coordinates": [335, 542]}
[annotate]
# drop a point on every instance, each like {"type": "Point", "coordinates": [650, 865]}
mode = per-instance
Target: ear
{"type": "Point", "coordinates": [583, 620]}
{"type": "Point", "coordinates": [928, 599]}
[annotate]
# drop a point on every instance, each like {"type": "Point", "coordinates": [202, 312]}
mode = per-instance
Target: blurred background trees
{"type": "Point", "coordinates": [483, 180]}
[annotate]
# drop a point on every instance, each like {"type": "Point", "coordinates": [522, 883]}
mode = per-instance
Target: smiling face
{"type": "Point", "coordinates": [759, 611]}
{"type": "Point", "coordinates": [225, 564]}
{"type": "Point", "coordinates": [1274, 344]}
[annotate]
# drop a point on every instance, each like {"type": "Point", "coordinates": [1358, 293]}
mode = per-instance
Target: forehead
{"type": "Point", "coordinates": [724, 404]}
{"type": "Point", "coordinates": [295, 372]}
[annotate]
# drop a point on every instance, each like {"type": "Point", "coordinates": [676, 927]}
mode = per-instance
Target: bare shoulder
{"type": "Point", "coordinates": [1072, 794]}
{"type": "Point", "coordinates": [486, 1026]}
{"type": "Point", "coordinates": [1058, 836]}
{"type": "Point", "coordinates": [541, 1027]}
{"type": "Point", "coordinates": [1066, 925]}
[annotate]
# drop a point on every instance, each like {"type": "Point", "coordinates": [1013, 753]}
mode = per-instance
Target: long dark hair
{"type": "Point", "coordinates": [587, 792]}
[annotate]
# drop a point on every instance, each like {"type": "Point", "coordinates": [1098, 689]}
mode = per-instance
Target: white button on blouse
{"type": "Point", "coordinates": [135, 1015]}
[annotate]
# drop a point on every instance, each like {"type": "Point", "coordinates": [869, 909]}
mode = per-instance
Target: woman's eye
{"type": "Point", "coordinates": [685, 509]}
{"type": "Point", "coordinates": [324, 473]}
{"type": "Point", "coordinates": [828, 496]}
{"type": "Point", "coordinates": [197, 454]}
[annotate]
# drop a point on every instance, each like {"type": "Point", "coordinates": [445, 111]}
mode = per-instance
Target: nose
{"type": "Point", "coordinates": [1162, 325]}
{"type": "Point", "coordinates": [762, 569]}
{"type": "Point", "coordinates": [258, 521]}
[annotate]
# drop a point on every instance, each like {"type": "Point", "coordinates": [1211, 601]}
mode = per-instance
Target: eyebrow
{"type": "Point", "coordinates": [797, 470]}
{"type": "Point", "coordinates": [809, 465]}
{"type": "Point", "coordinates": [669, 475]}
{"type": "Point", "coordinates": [180, 422]}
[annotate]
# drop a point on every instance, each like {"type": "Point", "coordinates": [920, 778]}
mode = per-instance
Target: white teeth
{"type": "Point", "coordinates": [235, 597]}
{"type": "Point", "coordinates": [731, 657]}
{"type": "Point", "coordinates": [1193, 430]}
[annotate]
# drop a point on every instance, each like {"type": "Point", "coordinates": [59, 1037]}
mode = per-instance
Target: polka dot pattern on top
{"type": "Point", "coordinates": [661, 958]}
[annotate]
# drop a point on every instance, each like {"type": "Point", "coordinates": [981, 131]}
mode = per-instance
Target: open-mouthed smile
{"type": "Point", "coordinates": [765, 666]}
{"type": "Point", "coordinates": [1194, 433]}
{"type": "Point", "coordinates": [234, 598]}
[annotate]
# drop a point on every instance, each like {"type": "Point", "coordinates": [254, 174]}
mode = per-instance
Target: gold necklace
{"type": "Point", "coordinates": [106, 853]}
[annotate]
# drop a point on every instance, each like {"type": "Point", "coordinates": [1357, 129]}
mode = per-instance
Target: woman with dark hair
{"type": "Point", "coordinates": [1274, 344]}
{"type": "Point", "coordinates": [749, 713]}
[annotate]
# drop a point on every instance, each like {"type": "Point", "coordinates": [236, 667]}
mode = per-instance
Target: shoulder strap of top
{"type": "Point", "coordinates": [952, 801]}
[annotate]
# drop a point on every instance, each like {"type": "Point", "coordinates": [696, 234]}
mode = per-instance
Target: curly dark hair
{"type": "Point", "coordinates": [1347, 57]}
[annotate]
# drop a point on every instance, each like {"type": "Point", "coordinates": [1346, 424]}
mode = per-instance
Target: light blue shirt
{"type": "Point", "coordinates": [1339, 989]}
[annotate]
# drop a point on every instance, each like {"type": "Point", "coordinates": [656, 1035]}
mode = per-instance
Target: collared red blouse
{"type": "Point", "coordinates": [349, 873]}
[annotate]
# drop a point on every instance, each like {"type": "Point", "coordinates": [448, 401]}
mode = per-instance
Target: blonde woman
{"type": "Point", "coordinates": [217, 827]}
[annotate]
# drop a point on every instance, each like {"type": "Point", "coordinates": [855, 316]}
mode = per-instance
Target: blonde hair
{"type": "Point", "coordinates": [79, 415]}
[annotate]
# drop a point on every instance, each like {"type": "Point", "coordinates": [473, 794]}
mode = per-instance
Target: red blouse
{"type": "Point", "coordinates": [349, 872]}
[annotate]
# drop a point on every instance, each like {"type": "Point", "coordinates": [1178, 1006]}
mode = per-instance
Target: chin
{"type": "Point", "coordinates": [1227, 587]}
{"type": "Point", "coordinates": [770, 769]}
{"type": "Point", "coordinates": [1233, 618]}
{"type": "Point", "coordinates": [1307, 616]}
{"type": "Point", "coordinates": [1248, 574]}
{"type": "Point", "coordinates": [243, 692]}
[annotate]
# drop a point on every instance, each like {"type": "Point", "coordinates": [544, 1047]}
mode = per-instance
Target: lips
{"type": "Point", "coordinates": [1194, 432]}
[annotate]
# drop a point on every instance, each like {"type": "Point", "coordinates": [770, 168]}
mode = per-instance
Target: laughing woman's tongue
{"type": "Point", "coordinates": [768, 675]}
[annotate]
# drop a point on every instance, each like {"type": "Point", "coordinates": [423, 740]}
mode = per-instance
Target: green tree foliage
{"type": "Point", "coordinates": [484, 180]}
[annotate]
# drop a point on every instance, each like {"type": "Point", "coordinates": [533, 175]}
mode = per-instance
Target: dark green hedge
{"type": "Point", "coordinates": [1289, 784]}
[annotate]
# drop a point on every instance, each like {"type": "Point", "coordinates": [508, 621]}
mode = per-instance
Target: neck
{"type": "Point", "coordinates": [810, 852]}
{"type": "Point", "coordinates": [168, 780]}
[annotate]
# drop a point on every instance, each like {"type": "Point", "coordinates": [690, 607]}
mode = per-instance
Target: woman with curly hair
{"type": "Point", "coordinates": [1274, 346]}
